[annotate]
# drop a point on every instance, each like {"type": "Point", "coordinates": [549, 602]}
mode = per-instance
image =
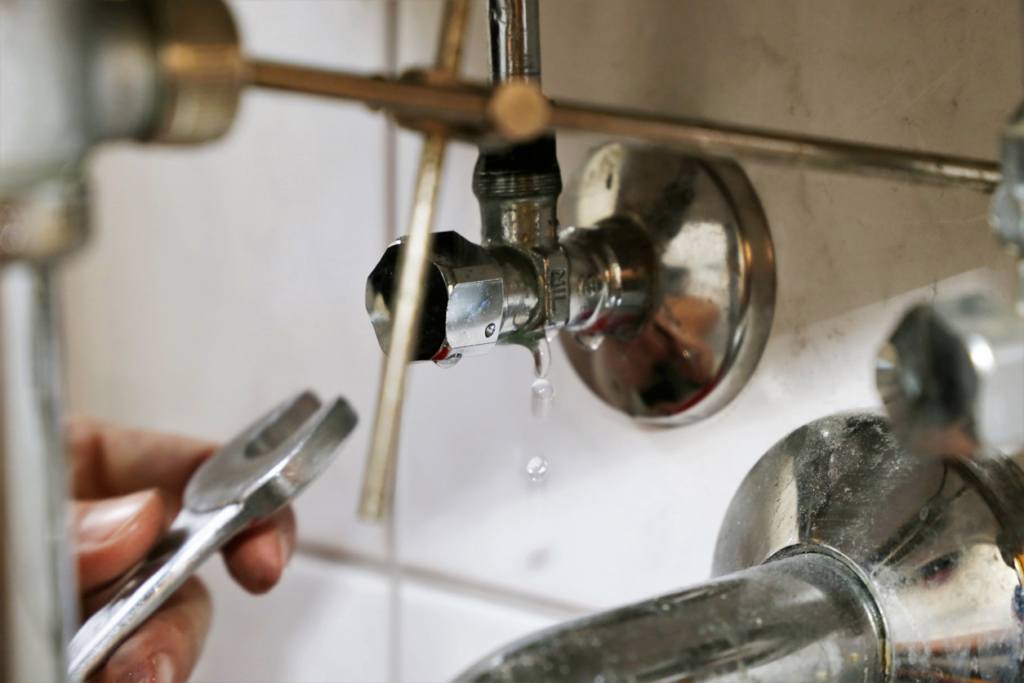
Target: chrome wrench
{"type": "Point", "coordinates": [256, 474]}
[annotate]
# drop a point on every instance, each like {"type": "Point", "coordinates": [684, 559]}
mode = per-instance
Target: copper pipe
{"type": "Point", "coordinates": [465, 105]}
{"type": "Point", "coordinates": [376, 499]}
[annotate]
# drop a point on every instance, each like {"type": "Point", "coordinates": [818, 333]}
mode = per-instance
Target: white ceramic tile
{"type": "Point", "coordinates": [224, 278]}
{"type": "Point", "coordinates": [323, 624]}
{"type": "Point", "coordinates": [444, 632]}
{"type": "Point", "coordinates": [343, 33]}
{"type": "Point", "coordinates": [624, 512]}
{"type": "Point", "coordinates": [628, 512]}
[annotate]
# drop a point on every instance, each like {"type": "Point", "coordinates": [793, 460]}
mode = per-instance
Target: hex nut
{"type": "Point", "coordinates": [952, 377]}
{"type": "Point", "coordinates": [463, 299]}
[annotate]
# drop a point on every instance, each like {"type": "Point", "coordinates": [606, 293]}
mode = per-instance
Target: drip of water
{"type": "Point", "coordinates": [537, 468]}
{"type": "Point", "coordinates": [542, 391]}
{"type": "Point", "coordinates": [541, 357]}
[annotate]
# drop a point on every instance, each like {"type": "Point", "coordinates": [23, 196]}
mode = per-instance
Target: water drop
{"type": "Point", "coordinates": [542, 391]}
{"type": "Point", "coordinates": [541, 357]}
{"type": "Point", "coordinates": [537, 469]}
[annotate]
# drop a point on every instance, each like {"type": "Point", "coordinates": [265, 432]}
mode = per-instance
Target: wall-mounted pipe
{"type": "Point", "coordinates": [472, 108]}
{"type": "Point", "coordinates": [514, 40]}
{"type": "Point", "coordinates": [517, 186]}
{"type": "Point", "coordinates": [803, 618]}
{"type": "Point", "coordinates": [846, 557]}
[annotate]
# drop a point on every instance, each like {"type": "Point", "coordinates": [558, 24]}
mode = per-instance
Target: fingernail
{"type": "Point", "coordinates": [157, 669]}
{"type": "Point", "coordinates": [164, 666]}
{"type": "Point", "coordinates": [105, 520]}
{"type": "Point", "coordinates": [140, 673]}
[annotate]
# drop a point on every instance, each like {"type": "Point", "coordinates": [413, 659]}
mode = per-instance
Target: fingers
{"type": "Point", "coordinates": [257, 557]}
{"type": "Point", "coordinates": [112, 461]}
{"type": "Point", "coordinates": [165, 648]}
{"type": "Point", "coordinates": [113, 535]}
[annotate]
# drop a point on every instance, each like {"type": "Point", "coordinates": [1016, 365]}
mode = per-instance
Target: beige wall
{"type": "Point", "coordinates": [221, 280]}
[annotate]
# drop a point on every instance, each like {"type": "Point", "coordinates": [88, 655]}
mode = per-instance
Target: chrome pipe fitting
{"type": "Point", "coordinates": [664, 286]}
{"type": "Point", "coordinates": [514, 40]}
{"type": "Point", "coordinates": [802, 618]}
{"type": "Point", "coordinates": [477, 297]}
{"type": "Point", "coordinates": [844, 556]}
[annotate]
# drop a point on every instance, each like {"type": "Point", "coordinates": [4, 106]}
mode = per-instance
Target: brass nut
{"type": "Point", "coordinates": [519, 110]}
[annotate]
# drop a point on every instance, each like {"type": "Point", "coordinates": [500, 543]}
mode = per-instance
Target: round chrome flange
{"type": "Point", "coordinates": [714, 289]}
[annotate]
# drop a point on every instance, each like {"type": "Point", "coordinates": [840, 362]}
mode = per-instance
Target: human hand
{"type": "Point", "coordinates": [128, 485]}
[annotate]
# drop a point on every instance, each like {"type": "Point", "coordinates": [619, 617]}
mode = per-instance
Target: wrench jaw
{"type": "Point", "coordinates": [231, 473]}
{"type": "Point", "coordinates": [308, 453]}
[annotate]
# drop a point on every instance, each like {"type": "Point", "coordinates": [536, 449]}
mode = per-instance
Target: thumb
{"type": "Point", "coordinates": [114, 534]}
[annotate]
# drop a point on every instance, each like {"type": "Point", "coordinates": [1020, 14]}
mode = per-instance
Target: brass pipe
{"type": "Point", "coordinates": [463, 105]}
{"type": "Point", "coordinates": [717, 140]}
{"type": "Point", "coordinates": [455, 103]}
{"type": "Point", "coordinates": [377, 494]}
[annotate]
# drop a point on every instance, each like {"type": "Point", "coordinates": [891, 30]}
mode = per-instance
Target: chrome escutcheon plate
{"type": "Point", "coordinates": [714, 282]}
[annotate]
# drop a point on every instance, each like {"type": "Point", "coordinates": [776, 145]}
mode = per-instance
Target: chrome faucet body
{"type": "Point", "coordinates": [657, 223]}
{"type": "Point", "coordinates": [844, 556]}
{"type": "Point", "coordinates": [664, 286]}
{"type": "Point", "coordinates": [671, 259]}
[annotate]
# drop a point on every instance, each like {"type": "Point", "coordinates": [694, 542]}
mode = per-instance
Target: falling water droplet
{"type": "Point", "coordinates": [541, 394]}
{"type": "Point", "coordinates": [542, 391]}
{"type": "Point", "coordinates": [541, 357]}
{"type": "Point", "coordinates": [537, 468]}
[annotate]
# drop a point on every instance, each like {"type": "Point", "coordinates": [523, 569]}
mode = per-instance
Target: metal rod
{"type": "Point", "coordinates": [452, 103]}
{"type": "Point", "coordinates": [379, 479]}
{"type": "Point", "coordinates": [462, 104]}
{"type": "Point", "coordinates": [515, 40]}
{"type": "Point", "coordinates": [39, 598]}
{"type": "Point", "coordinates": [713, 139]}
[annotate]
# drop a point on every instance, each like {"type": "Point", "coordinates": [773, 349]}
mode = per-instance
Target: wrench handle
{"type": "Point", "coordinates": [191, 539]}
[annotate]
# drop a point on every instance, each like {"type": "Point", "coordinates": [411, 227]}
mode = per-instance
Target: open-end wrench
{"type": "Point", "coordinates": [256, 474]}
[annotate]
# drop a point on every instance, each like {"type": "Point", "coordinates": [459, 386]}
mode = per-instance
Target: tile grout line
{"type": "Point", "coordinates": [446, 582]}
